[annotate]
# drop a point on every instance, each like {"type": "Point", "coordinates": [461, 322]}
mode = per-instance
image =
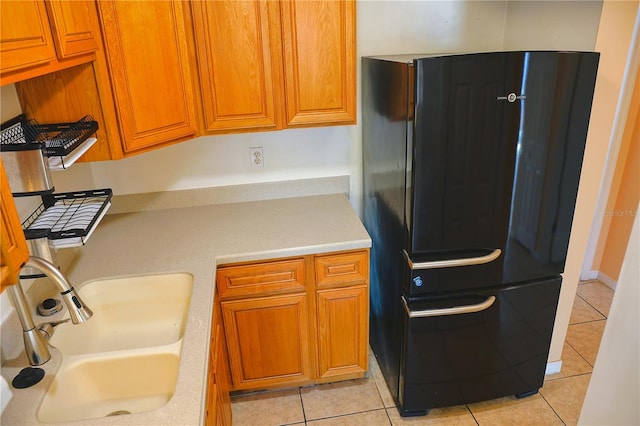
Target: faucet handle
{"type": "Point", "coordinates": [46, 329]}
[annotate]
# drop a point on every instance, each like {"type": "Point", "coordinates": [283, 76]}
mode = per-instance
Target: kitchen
{"type": "Point", "coordinates": [323, 155]}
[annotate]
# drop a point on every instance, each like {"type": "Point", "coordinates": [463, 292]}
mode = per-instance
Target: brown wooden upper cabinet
{"type": "Point", "coordinates": [239, 63]}
{"type": "Point", "coordinates": [146, 50]}
{"type": "Point", "coordinates": [139, 88]}
{"type": "Point", "coordinates": [319, 45]}
{"type": "Point", "coordinates": [272, 65]}
{"type": "Point", "coordinates": [38, 37]}
{"type": "Point", "coordinates": [168, 71]}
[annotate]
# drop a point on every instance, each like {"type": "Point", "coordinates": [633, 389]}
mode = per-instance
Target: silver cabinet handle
{"type": "Point", "coordinates": [468, 309]}
{"type": "Point", "coordinates": [467, 261]}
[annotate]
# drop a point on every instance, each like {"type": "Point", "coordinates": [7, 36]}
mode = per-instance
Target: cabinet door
{"type": "Point", "coordinates": [319, 44]}
{"type": "Point", "coordinates": [146, 51]}
{"type": "Point", "coordinates": [343, 331]}
{"type": "Point", "coordinates": [268, 341]}
{"type": "Point", "coordinates": [240, 64]}
{"type": "Point", "coordinates": [74, 26]}
{"type": "Point", "coordinates": [14, 246]}
{"type": "Point", "coordinates": [25, 38]}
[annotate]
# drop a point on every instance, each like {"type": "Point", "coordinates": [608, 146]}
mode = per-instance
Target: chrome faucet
{"type": "Point", "coordinates": [34, 341]}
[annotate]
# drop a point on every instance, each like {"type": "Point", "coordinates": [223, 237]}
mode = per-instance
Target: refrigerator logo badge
{"type": "Point", "coordinates": [418, 281]}
{"type": "Point", "coordinates": [511, 97]}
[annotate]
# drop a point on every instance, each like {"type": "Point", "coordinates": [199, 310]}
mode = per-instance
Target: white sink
{"type": "Point", "coordinates": [129, 313]}
{"type": "Point", "coordinates": [125, 358]}
{"type": "Point", "coordinates": [91, 387]}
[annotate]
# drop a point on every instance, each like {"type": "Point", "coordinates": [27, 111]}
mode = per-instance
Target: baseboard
{"type": "Point", "coordinates": [553, 367]}
{"type": "Point", "coordinates": [588, 276]}
{"type": "Point", "coordinates": [607, 280]}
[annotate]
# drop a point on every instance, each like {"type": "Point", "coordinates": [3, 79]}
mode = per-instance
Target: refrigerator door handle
{"type": "Point", "coordinates": [467, 261]}
{"type": "Point", "coordinates": [455, 310]}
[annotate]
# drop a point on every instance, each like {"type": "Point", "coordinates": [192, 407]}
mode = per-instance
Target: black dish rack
{"type": "Point", "coordinates": [59, 139]}
{"type": "Point", "coordinates": [67, 219]}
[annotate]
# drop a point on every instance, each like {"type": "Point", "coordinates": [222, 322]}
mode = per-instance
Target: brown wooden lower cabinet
{"type": "Point", "coordinates": [219, 380]}
{"type": "Point", "coordinates": [268, 341]}
{"type": "Point", "coordinates": [343, 332]}
{"type": "Point", "coordinates": [296, 321]}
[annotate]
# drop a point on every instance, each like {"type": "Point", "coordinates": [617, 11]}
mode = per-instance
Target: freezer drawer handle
{"type": "Point", "coordinates": [454, 262]}
{"type": "Point", "coordinates": [469, 309]}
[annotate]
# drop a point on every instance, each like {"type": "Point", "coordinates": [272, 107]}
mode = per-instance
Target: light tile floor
{"type": "Point", "coordinates": [368, 402]}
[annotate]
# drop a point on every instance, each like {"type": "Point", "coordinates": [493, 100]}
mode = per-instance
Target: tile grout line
{"type": "Point", "coordinates": [350, 414]}
{"type": "Point", "coordinates": [472, 415]}
{"type": "Point", "coordinates": [384, 383]}
{"type": "Point", "coordinates": [593, 307]}
{"type": "Point", "coordinates": [581, 356]}
{"type": "Point", "coordinates": [553, 409]}
{"type": "Point", "coordinates": [304, 414]}
{"type": "Point", "coordinates": [587, 302]}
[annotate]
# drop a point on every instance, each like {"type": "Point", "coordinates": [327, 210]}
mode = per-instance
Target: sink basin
{"type": "Point", "coordinates": [95, 387]}
{"type": "Point", "coordinates": [129, 313]}
{"type": "Point", "coordinates": [125, 358]}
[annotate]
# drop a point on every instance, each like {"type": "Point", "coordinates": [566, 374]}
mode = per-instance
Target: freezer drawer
{"type": "Point", "coordinates": [476, 346]}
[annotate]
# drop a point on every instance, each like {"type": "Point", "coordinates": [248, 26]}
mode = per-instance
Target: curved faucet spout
{"type": "Point", "coordinates": [78, 311]}
{"type": "Point", "coordinates": [34, 342]}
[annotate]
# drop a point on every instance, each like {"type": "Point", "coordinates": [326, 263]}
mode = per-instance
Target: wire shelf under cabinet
{"type": "Point", "coordinates": [68, 219]}
{"type": "Point", "coordinates": [59, 139]}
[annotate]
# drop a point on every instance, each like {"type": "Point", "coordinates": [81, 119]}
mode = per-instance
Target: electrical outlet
{"type": "Point", "coordinates": [257, 156]}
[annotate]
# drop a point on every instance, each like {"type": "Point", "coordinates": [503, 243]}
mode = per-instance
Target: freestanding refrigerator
{"type": "Point", "coordinates": [471, 169]}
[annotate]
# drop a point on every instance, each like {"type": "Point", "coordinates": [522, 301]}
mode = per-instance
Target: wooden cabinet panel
{"type": "Point", "coordinates": [284, 276]}
{"type": "Point", "coordinates": [223, 376]}
{"type": "Point", "coordinates": [343, 316]}
{"type": "Point", "coordinates": [268, 341]}
{"type": "Point", "coordinates": [219, 380]}
{"type": "Point", "coordinates": [14, 246]}
{"type": "Point", "coordinates": [240, 64]}
{"type": "Point", "coordinates": [65, 97]}
{"type": "Point", "coordinates": [25, 37]}
{"type": "Point", "coordinates": [31, 34]}
{"type": "Point", "coordinates": [319, 44]}
{"type": "Point", "coordinates": [146, 50]}
{"type": "Point", "coordinates": [74, 27]}
{"type": "Point", "coordinates": [339, 270]}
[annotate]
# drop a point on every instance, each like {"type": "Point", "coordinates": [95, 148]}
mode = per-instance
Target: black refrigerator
{"type": "Point", "coordinates": [471, 170]}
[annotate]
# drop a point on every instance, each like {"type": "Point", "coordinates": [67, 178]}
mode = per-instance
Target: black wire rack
{"type": "Point", "coordinates": [67, 215]}
{"type": "Point", "coordinates": [59, 139]}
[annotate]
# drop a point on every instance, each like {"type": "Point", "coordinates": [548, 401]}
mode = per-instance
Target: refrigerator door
{"type": "Point", "coordinates": [476, 346]}
{"type": "Point", "coordinates": [464, 150]}
{"type": "Point", "coordinates": [496, 154]}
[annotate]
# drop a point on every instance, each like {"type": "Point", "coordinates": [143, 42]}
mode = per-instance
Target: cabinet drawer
{"type": "Point", "coordinates": [277, 277]}
{"type": "Point", "coordinates": [338, 270]}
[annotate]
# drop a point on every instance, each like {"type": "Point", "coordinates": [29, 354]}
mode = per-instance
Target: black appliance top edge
{"type": "Point", "coordinates": [410, 57]}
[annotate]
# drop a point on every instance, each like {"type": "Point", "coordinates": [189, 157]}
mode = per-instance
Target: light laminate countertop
{"type": "Point", "coordinates": [193, 240]}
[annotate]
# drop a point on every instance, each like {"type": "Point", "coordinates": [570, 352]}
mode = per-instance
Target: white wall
{"type": "Point", "coordinates": [614, 389]}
